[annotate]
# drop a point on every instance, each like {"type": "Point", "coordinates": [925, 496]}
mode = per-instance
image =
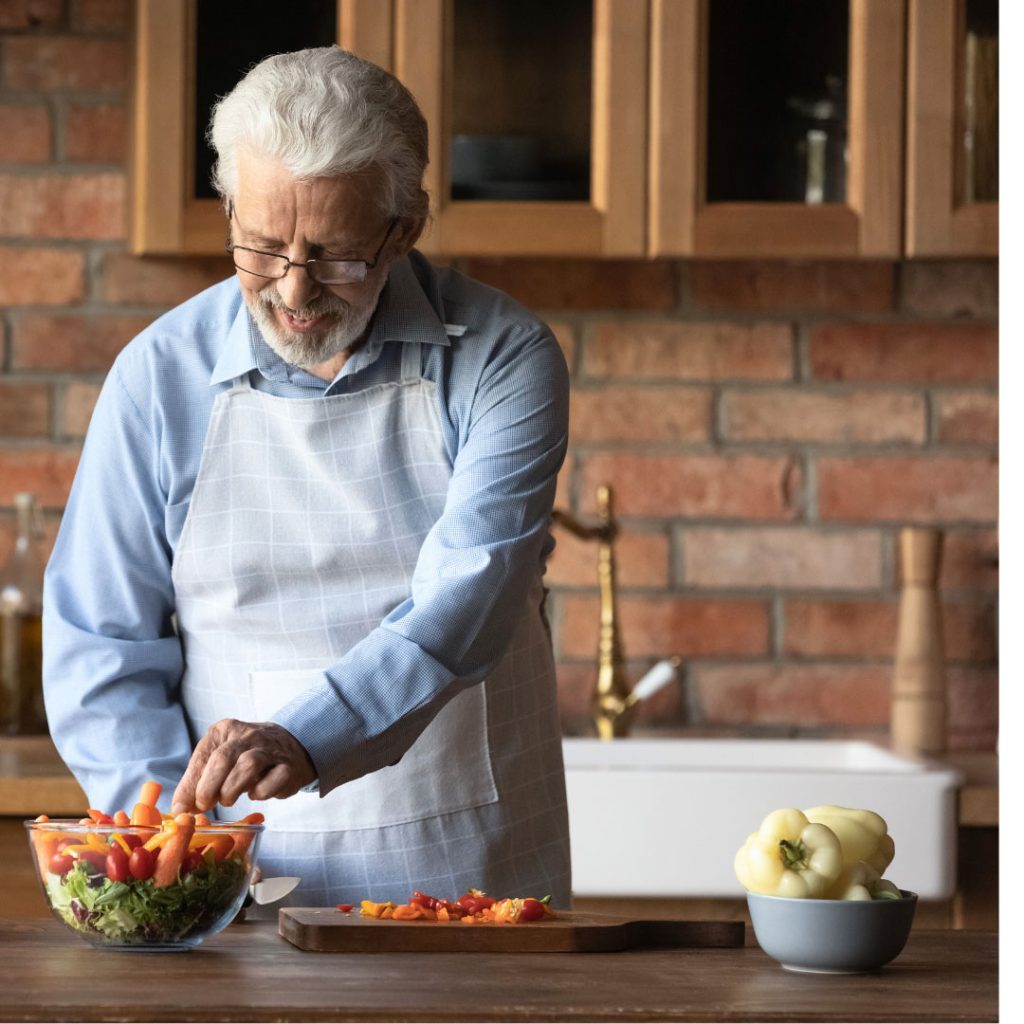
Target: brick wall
{"type": "Point", "coordinates": [767, 426]}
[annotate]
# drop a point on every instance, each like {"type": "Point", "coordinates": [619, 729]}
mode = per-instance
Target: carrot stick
{"type": "Point", "coordinates": [244, 839]}
{"type": "Point", "coordinates": [145, 814]}
{"type": "Point", "coordinates": [173, 852]}
{"type": "Point", "coordinates": [150, 793]}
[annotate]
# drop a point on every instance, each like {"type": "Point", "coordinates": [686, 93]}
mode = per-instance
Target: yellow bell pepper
{"type": "Point", "coordinates": [863, 835]}
{"type": "Point", "coordinates": [789, 855]}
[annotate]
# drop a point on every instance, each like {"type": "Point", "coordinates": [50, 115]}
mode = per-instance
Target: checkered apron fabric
{"type": "Point", "coordinates": [302, 535]}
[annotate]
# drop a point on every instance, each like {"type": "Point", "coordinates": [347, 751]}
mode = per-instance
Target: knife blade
{"type": "Point", "coordinates": [270, 890]}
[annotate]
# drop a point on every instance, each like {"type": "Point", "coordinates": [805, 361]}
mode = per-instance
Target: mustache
{"type": "Point", "coordinates": [325, 304]}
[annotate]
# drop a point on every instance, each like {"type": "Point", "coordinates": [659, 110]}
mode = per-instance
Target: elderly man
{"type": "Point", "coordinates": [300, 567]}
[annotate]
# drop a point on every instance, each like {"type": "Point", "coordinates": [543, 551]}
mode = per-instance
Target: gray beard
{"type": "Point", "coordinates": [346, 327]}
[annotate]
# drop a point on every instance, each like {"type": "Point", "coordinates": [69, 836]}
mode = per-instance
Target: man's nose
{"type": "Point", "coordinates": [297, 288]}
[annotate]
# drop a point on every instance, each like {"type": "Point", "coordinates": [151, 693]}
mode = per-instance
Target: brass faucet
{"type": "Point", "coordinates": [613, 704]}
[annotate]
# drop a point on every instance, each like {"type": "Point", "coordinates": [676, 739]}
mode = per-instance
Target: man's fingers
{"type": "Point", "coordinates": [218, 767]}
{"type": "Point", "coordinates": [251, 764]}
{"type": "Point", "coordinates": [278, 782]}
{"type": "Point", "coordinates": [184, 798]}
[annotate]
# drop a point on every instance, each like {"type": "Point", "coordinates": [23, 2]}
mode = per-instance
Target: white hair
{"type": "Point", "coordinates": [324, 112]}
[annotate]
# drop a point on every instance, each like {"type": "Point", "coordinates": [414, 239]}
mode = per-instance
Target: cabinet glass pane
{"type": "Point", "coordinates": [777, 108]}
{"type": "Point", "coordinates": [979, 152]}
{"type": "Point", "coordinates": [230, 38]}
{"type": "Point", "coordinates": [520, 99]}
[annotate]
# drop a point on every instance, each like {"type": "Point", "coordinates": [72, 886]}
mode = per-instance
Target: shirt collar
{"type": "Point", "coordinates": [404, 313]}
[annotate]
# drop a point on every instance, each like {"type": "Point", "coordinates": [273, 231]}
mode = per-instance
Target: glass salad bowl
{"type": "Point", "coordinates": [144, 887]}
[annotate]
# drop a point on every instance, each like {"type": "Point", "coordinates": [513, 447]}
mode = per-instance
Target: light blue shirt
{"type": "Point", "coordinates": [113, 662]}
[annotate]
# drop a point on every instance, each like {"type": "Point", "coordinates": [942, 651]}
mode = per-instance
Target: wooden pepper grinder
{"type": "Point", "coordinates": [918, 722]}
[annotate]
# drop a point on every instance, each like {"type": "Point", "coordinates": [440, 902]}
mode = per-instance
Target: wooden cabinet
{"type": "Point", "coordinates": [629, 128]}
{"type": "Point", "coordinates": [952, 128]}
{"type": "Point", "coordinates": [738, 168]}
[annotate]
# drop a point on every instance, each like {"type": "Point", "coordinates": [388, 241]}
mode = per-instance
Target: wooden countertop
{"type": "Point", "coordinates": [34, 780]}
{"type": "Point", "coordinates": [249, 973]}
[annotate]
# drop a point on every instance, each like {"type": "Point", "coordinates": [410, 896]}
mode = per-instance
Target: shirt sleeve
{"type": "Point", "coordinates": [112, 662]}
{"type": "Point", "coordinates": [471, 578]}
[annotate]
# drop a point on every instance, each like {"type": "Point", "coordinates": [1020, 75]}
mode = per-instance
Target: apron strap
{"type": "Point", "coordinates": [411, 372]}
{"type": "Point", "coordinates": [241, 383]}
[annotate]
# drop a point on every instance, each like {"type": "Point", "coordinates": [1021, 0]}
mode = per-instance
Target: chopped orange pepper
{"type": "Point", "coordinates": [121, 819]}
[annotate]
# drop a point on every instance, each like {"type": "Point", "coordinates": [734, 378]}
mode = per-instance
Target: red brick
{"type": "Point", "coordinates": [782, 557]}
{"type": "Point", "coordinates": [826, 287]}
{"type": "Point", "coordinates": [792, 414]}
{"type": "Point", "coordinates": [24, 409]}
{"type": "Point", "coordinates": [951, 287]}
{"type": "Point", "coordinates": [677, 350]}
{"type": "Point", "coordinates": [581, 284]}
{"type": "Point", "coordinates": [973, 702]}
{"type": "Point", "coordinates": [47, 63]}
{"type": "Point", "coordinates": [565, 335]}
{"type": "Point", "coordinates": [32, 275]}
{"type": "Point", "coordinates": [76, 410]}
{"type": "Point", "coordinates": [969, 417]}
{"type": "Point", "coordinates": [656, 627]}
{"type": "Point", "coordinates": [918, 489]}
{"type": "Point", "coordinates": [641, 560]}
{"type": "Point", "coordinates": [63, 206]}
{"type": "Point", "coordinates": [970, 560]}
{"type": "Point", "coordinates": [640, 414]}
{"type": "Point", "coordinates": [804, 695]}
{"type": "Point", "coordinates": [97, 134]}
{"type": "Point", "coordinates": [20, 14]}
{"type": "Point", "coordinates": [668, 486]}
{"type": "Point", "coordinates": [46, 472]}
{"type": "Point", "coordinates": [76, 344]}
{"type": "Point", "coordinates": [100, 15]}
{"type": "Point", "coordinates": [867, 629]}
{"type": "Point", "coordinates": [939, 353]}
{"type": "Point", "coordinates": [162, 281]}
{"type": "Point", "coordinates": [25, 130]}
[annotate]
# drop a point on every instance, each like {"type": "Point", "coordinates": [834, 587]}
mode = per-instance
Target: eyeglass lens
{"type": "Point", "coordinates": [264, 264]}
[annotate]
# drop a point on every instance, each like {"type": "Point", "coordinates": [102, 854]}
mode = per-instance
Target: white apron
{"type": "Point", "coordinates": [302, 534]}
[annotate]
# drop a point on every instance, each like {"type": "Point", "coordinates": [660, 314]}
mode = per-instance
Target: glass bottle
{"type": "Point", "coordinates": [21, 626]}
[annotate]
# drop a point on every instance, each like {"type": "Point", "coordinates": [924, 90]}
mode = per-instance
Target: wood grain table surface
{"type": "Point", "coordinates": [249, 973]}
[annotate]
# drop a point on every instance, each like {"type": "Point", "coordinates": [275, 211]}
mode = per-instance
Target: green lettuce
{"type": "Point", "coordinates": [139, 912]}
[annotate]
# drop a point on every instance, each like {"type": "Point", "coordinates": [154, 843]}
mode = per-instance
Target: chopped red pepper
{"type": "Point", "coordinates": [346, 907]}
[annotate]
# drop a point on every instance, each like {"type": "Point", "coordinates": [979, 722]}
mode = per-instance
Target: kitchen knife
{"type": "Point", "coordinates": [270, 890]}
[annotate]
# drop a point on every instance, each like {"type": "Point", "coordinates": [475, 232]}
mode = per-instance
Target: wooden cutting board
{"type": "Point", "coordinates": [327, 930]}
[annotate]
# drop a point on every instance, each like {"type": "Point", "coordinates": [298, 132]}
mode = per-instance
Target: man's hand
{"type": "Point", "coordinates": [260, 759]}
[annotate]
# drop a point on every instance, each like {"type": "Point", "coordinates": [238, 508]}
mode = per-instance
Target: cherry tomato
{"type": "Point", "coordinates": [96, 859]}
{"type": "Point", "coordinates": [141, 864]}
{"type": "Point", "coordinates": [131, 841]}
{"type": "Point", "coordinates": [532, 910]}
{"type": "Point", "coordinates": [191, 861]}
{"type": "Point", "coordinates": [117, 864]}
{"type": "Point", "coordinates": [61, 863]}
{"type": "Point", "coordinates": [472, 904]}
{"type": "Point", "coordinates": [69, 841]}
{"type": "Point", "coordinates": [345, 907]}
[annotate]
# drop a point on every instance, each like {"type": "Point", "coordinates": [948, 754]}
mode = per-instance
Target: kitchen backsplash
{"type": "Point", "coordinates": [767, 426]}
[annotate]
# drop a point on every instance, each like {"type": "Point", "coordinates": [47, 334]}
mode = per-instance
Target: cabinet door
{"type": "Point", "coordinates": [537, 122]}
{"type": "Point", "coordinates": [185, 55]}
{"type": "Point", "coordinates": [776, 129]}
{"type": "Point", "coordinates": [953, 128]}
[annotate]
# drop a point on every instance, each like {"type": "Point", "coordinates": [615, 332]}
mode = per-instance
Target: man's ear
{"type": "Point", "coordinates": [408, 234]}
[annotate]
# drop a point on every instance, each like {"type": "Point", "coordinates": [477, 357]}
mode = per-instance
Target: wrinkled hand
{"type": "Point", "coordinates": [261, 759]}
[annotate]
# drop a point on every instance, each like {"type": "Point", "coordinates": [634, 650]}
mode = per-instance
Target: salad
{"type": "Point", "coordinates": [145, 880]}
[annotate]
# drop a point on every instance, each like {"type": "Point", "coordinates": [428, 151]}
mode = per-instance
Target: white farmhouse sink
{"type": "Point", "coordinates": [666, 817]}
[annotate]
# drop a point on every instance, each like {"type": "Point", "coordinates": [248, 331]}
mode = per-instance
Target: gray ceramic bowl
{"type": "Point", "coordinates": [832, 936]}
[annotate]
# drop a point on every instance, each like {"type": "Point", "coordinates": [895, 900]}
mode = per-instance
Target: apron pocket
{"type": "Point", "coordinates": [447, 769]}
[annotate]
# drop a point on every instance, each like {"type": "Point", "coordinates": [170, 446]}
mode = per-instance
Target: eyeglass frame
{"type": "Point", "coordinates": [368, 265]}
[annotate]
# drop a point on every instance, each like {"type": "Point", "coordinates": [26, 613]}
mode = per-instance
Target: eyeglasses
{"type": "Point", "coordinates": [274, 266]}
